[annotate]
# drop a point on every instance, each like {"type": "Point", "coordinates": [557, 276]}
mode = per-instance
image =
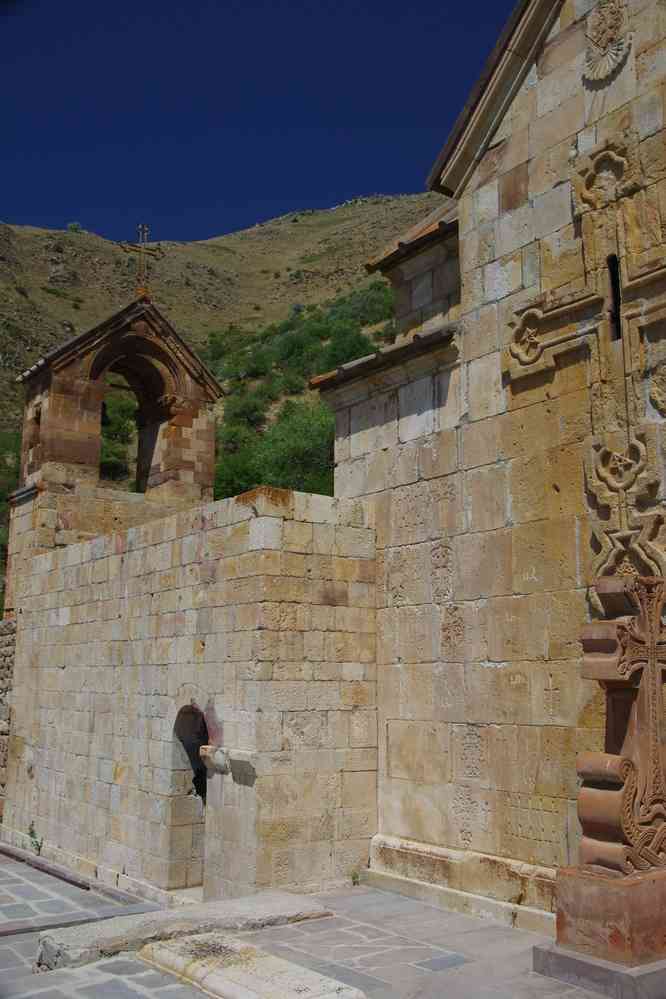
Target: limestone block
{"type": "Point", "coordinates": [416, 409]}
{"type": "Point", "coordinates": [473, 817]}
{"type": "Point", "coordinates": [504, 276]}
{"type": "Point", "coordinates": [484, 564]}
{"type": "Point", "coordinates": [513, 756]}
{"type": "Point", "coordinates": [363, 728]}
{"type": "Point", "coordinates": [298, 536]}
{"type": "Point", "coordinates": [417, 633]}
{"type": "Point", "coordinates": [463, 633]}
{"type": "Point", "coordinates": [562, 260]}
{"type": "Point", "coordinates": [439, 455]}
{"type": "Point", "coordinates": [449, 398]}
{"type": "Point", "coordinates": [545, 556]}
{"type": "Point", "coordinates": [553, 688]}
{"type": "Point", "coordinates": [266, 532]}
{"type": "Point", "coordinates": [419, 751]}
{"type": "Point", "coordinates": [562, 48]}
{"type": "Point", "coordinates": [559, 124]}
{"type": "Point", "coordinates": [567, 612]}
{"type": "Point", "coordinates": [481, 442]}
{"type": "Point", "coordinates": [373, 424]}
{"type": "Point", "coordinates": [413, 811]}
{"type": "Point", "coordinates": [486, 203]}
{"type": "Point", "coordinates": [486, 394]}
{"type": "Point", "coordinates": [497, 692]}
{"type": "Point", "coordinates": [561, 83]}
{"type": "Point", "coordinates": [517, 627]}
{"type": "Point", "coordinates": [530, 826]}
{"type": "Point", "coordinates": [486, 498]}
{"type": "Point", "coordinates": [407, 577]}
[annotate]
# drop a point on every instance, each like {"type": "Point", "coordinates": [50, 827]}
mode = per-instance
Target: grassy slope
{"type": "Point", "coordinates": [54, 284]}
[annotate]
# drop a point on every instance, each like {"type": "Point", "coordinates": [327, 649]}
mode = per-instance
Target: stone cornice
{"type": "Point", "coordinates": [502, 76]}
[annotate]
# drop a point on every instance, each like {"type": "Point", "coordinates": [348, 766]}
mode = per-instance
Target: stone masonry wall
{"type": "Point", "coordinates": [7, 649]}
{"type": "Point", "coordinates": [487, 530]}
{"type": "Point", "coordinates": [258, 610]}
{"type": "Point", "coordinates": [63, 514]}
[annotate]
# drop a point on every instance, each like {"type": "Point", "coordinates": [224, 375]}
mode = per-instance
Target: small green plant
{"type": "Point", "coordinates": [37, 843]}
{"type": "Point", "coordinates": [74, 227]}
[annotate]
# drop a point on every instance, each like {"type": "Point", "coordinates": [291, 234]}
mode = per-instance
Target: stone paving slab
{"type": "Point", "coordinates": [125, 978]}
{"type": "Point", "coordinates": [391, 947]}
{"type": "Point", "coordinates": [32, 899]}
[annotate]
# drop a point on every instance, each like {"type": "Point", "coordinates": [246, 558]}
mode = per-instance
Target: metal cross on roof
{"type": "Point", "coordinates": [141, 247]}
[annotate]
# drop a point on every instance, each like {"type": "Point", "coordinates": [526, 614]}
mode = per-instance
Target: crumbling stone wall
{"type": "Point", "coordinates": [7, 652]}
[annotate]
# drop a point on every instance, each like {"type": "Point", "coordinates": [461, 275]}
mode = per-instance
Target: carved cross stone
{"type": "Point", "coordinates": [622, 804]}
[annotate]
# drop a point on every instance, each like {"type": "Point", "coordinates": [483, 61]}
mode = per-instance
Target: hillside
{"type": "Point", "coordinates": [54, 284]}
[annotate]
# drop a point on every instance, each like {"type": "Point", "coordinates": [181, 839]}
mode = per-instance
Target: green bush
{"type": "Point", "coordinates": [10, 450]}
{"type": "Point", "coordinates": [118, 433]}
{"type": "Point", "coordinates": [258, 367]}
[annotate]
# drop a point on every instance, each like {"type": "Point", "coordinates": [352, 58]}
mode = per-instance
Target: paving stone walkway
{"type": "Point", "coordinates": [388, 946]}
{"type": "Point", "coordinates": [397, 948]}
{"type": "Point", "coordinates": [31, 899]}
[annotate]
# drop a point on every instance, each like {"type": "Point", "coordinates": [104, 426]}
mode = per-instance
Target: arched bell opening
{"type": "Point", "coordinates": [137, 379]}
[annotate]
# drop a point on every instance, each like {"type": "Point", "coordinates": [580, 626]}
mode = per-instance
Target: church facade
{"type": "Point", "coordinates": [394, 673]}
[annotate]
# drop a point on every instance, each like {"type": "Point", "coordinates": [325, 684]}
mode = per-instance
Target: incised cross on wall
{"type": "Point", "coordinates": [608, 320]}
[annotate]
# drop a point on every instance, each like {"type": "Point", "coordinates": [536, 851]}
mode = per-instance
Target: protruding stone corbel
{"type": "Point", "coordinates": [215, 759]}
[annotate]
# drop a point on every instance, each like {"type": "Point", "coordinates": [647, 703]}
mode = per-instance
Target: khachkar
{"type": "Point", "coordinates": [612, 907]}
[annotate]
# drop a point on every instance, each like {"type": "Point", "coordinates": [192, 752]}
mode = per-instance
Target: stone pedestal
{"type": "Point", "coordinates": [611, 934]}
{"type": "Point", "coordinates": [611, 911]}
{"type": "Point", "coordinates": [621, 919]}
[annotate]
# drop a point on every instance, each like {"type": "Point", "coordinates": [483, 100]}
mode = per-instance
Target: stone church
{"type": "Point", "coordinates": [394, 674]}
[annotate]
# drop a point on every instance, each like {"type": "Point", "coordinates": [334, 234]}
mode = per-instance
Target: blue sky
{"type": "Point", "coordinates": [205, 116]}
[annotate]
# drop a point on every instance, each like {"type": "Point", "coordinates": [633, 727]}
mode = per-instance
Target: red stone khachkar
{"type": "Point", "coordinates": [611, 905]}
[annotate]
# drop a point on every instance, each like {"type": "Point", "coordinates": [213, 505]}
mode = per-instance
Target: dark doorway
{"type": "Point", "coordinates": [191, 731]}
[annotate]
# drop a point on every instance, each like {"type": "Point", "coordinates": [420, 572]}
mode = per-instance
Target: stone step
{"type": "Point", "coordinates": [224, 966]}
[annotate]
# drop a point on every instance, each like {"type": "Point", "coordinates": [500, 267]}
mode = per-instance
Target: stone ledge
{"type": "Point", "coordinates": [521, 917]}
{"type": "Point", "coordinates": [222, 966]}
{"type": "Point", "coordinates": [596, 975]}
{"type": "Point", "coordinates": [84, 944]}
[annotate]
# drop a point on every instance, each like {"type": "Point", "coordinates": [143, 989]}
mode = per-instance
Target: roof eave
{"type": "Point", "coordinates": [528, 26]}
{"type": "Point", "coordinates": [386, 357]}
{"type": "Point", "coordinates": [404, 251]}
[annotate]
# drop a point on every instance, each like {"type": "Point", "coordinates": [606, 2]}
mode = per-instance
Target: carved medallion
{"type": "Point", "coordinates": [608, 40]}
{"type": "Point", "coordinates": [620, 470]}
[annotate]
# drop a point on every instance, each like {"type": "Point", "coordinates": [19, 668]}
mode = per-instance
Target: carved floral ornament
{"type": "Point", "coordinates": [609, 172]}
{"type": "Point", "coordinates": [608, 40]}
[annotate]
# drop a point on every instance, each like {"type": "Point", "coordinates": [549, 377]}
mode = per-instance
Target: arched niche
{"type": "Point", "coordinates": [188, 799]}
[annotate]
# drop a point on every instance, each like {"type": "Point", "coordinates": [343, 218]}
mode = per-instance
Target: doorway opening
{"type": "Point", "coordinates": [186, 854]}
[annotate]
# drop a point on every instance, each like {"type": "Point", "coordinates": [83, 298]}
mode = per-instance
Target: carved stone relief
{"type": "Point", "coordinates": [622, 803]}
{"type": "Point", "coordinates": [548, 327]}
{"type": "Point", "coordinates": [607, 173]}
{"type": "Point", "coordinates": [608, 40]}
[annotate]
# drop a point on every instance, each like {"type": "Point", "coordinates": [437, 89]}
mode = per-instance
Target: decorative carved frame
{"type": "Point", "coordinates": [532, 350]}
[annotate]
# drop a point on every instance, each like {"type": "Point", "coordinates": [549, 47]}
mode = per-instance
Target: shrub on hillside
{"type": "Point", "coordinates": [296, 450]}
